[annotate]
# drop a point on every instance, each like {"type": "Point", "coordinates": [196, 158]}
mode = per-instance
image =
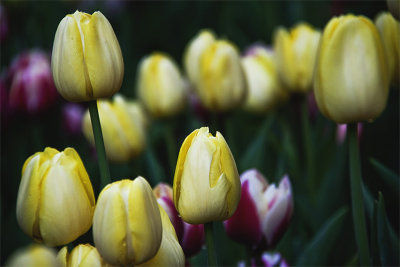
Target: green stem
{"type": "Point", "coordinates": [308, 147]}
{"type": "Point", "coordinates": [209, 231]}
{"type": "Point", "coordinates": [98, 140]}
{"type": "Point", "coordinates": [357, 198]}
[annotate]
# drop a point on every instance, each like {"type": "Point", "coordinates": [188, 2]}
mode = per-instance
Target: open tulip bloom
{"type": "Point", "coordinates": [263, 213]}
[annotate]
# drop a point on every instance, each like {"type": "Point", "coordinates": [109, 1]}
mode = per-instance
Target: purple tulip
{"type": "Point", "coordinates": [31, 83]}
{"type": "Point", "coordinates": [263, 213]}
{"type": "Point", "coordinates": [72, 118]}
{"type": "Point", "coordinates": [190, 236]}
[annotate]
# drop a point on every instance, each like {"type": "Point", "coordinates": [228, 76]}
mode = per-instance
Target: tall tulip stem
{"type": "Point", "coordinates": [212, 257]}
{"type": "Point", "coordinates": [357, 198]}
{"type": "Point", "coordinates": [99, 142]}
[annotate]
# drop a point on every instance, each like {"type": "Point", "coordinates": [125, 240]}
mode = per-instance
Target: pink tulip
{"type": "Point", "coordinates": [263, 213]}
{"type": "Point", "coordinates": [190, 236]}
{"type": "Point", "coordinates": [31, 83]}
{"type": "Point", "coordinates": [72, 118]}
{"type": "Point", "coordinates": [341, 132]}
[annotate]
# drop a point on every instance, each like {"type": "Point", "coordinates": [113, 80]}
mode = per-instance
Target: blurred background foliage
{"type": "Point", "coordinates": [321, 230]}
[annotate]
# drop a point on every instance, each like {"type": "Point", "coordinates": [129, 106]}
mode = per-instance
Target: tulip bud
{"type": "Point", "coordinates": [351, 77]}
{"type": "Point", "coordinates": [87, 61]}
{"type": "Point", "coordinates": [264, 89]}
{"type": "Point", "coordinates": [190, 236]}
{"type": "Point", "coordinates": [81, 255]}
{"type": "Point", "coordinates": [55, 201]}
{"type": "Point", "coordinates": [193, 53]}
{"type": "Point", "coordinates": [127, 224]}
{"type": "Point", "coordinates": [72, 118]}
{"type": "Point", "coordinates": [389, 29]}
{"type": "Point", "coordinates": [123, 123]}
{"type": "Point", "coordinates": [160, 85]}
{"type": "Point", "coordinates": [206, 182]}
{"type": "Point", "coordinates": [296, 51]}
{"type": "Point", "coordinates": [263, 213]}
{"type": "Point", "coordinates": [170, 252]}
{"type": "Point", "coordinates": [221, 84]}
{"type": "Point", "coordinates": [163, 193]}
{"type": "Point", "coordinates": [33, 255]}
{"type": "Point", "coordinates": [32, 88]}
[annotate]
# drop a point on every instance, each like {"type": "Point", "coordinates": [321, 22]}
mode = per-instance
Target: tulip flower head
{"type": "Point", "coordinates": [263, 213]}
{"type": "Point", "coordinates": [32, 89]}
{"type": "Point", "coordinates": [87, 61]}
{"type": "Point", "coordinates": [206, 182]}
{"type": "Point", "coordinates": [389, 29]}
{"type": "Point", "coordinates": [190, 236]}
{"type": "Point", "coordinates": [193, 53]}
{"type": "Point", "coordinates": [81, 255]}
{"type": "Point", "coordinates": [264, 88]}
{"type": "Point", "coordinates": [124, 125]}
{"type": "Point", "coordinates": [221, 84]}
{"type": "Point", "coordinates": [127, 224]}
{"type": "Point", "coordinates": [161, 87]}
{"type": "Point", "coordinates": [170, 252]}
{"type": "Point", "coordinates": [33, 255]}
{"type": "Point", "coordinates": [295, 53]}
{"type": "Point", "coordinates": [55, 201]}
{"type": "Point", "coordinates": [351, 77]}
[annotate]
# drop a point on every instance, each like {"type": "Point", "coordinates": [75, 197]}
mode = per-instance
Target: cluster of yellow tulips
{"type": "Point", "coordinates": [350, 65]}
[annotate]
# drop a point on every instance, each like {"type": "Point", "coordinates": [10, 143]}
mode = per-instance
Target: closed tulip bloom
{"type": "Point", "coordinates": [82, 255]}
{"type": "Point", "coordinates": [170, 252]}
{"type": "Point", "coordinates": [351, 78]}
{"type": "Point", "coordinates": [296, 50]}
{"type": "Point", "coordinates": [160, 86]}
{"type": "Point", "coordinates": [123, 123]}
{"type": "Point", "coordinates": [193, 52]}
{"type": "Point", "coordinates": [55, 201]}
{"type": "Point", "coordinates": [87, 61]}
{"type": "Point", "coordinates": [33, 255]}
{"type": "Point", "coordinates": [127, 224]}
{"type": "Point", "coordinates": [389, 29]}
{"type": "Point", "coordinates": [32, 89]}
{"type": "Point", "coordinates": [221, 85]}
{"type": "Point", "coordinates": [206, 182]}
{"type": "Point", "coordinates": [190, 236]}
{"type": "Point", "coordinates": [263, 213]}
{"type": "Point", "coordinates": [265, 91]}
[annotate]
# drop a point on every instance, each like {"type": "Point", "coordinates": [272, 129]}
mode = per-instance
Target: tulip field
{"type": "Point", "coordinates": [205, 133]}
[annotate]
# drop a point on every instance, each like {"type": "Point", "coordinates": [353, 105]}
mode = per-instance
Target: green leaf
{"type": "Point", "coordinates": [391, 178]}
{"type": "Point", "coordinates": [252, 155]}
{"type": "Point", "coordinates": [317, 251]}
{"type": "Point", "coordinates": [387, 239]}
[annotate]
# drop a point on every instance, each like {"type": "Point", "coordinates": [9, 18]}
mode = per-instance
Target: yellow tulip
{"type": "Point", "coordinates": [265, 91]}
{"type": "Point", "coordinates": [206, 182]}
{"type": "Point", "coordinates": [83, 255]}
{"type": "Point", "coordinates": [33, 255]}
{"type": "Point", "coordinates": [86, 60]}
{"type": "Point", "coordinates": [123, 123]}
{"type": "Point", "coordinates": [296, 51]}
{"type": "Point", "coordinates": [170, 252]}
{"type": "Point", "coordinates": [351, 78]}
{"type": "Point", "coordinates": [55, 201]}
{"type": "Point", "coordinates": [221, 85]}
{"type": "Point", "coordinates": [193, 52]}
{"type": "Point", "coordinates": [160, 85]}
{"type": "Point", "coordinates": [127, 224]}
{"type": "Point", "coordinates": [389, 29]}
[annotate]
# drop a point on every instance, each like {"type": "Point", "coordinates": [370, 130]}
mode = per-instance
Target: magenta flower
{"type": "Point", "coordinates": [31, 83]}
{"type": "Point", "coordinates": [190, 236]}
{"type": "Point", "coordinates": [263, 213]}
